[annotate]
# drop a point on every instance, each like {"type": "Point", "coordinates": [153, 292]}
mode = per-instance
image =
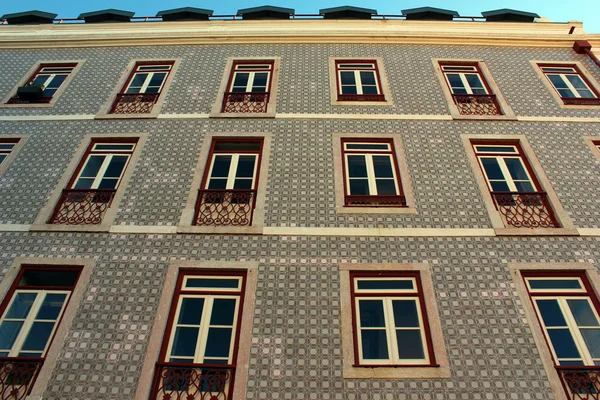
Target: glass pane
{"type": "Point", "coordinates": [40, 80]}
{"type": "Point", "coordinates": [51, 306]}
{"type": "Point", "coordinates": [359, 187]}
{"type": "Point", "coordinates": [236, 146]}
{"type": "Point", "coordinates": [56, 82]}
{"type": "Point", "coordinates": [367, 284]}
{"type": "Point", "coordinates": [455, 82]}
{"type": "Point", "coordinates": [242, 184]}
{"type": "Point", "coordinates": [132, 90]}
{"type": "Point", "coordinates": [563, 343]}
{"type": "Point", "coordinates": [123, 147]}
{"type": "Point", "coordinates": [406, 314]}
{"type": "Point", "coordinates": [499, 186]}
{"type": "Point", "coordinates": [116, 166]}
{"type": "Point", "coordinates": [592, 341]}
{"type": "Point", "coordinates": [558, 82]}
{"type": "Point", "coordinates": [371, 314]}
{"type": "Point", "coordinates": [6, 146]}
{"type": "Point", "coordinates": [138, 80]}
{"type": "Point", "coordinates": [516, 168]}
{"type": "Point", "coordinates": [218, 342]}
{"type": "Point", "coordinates": [566, 93]}
{"type": "Point", "coordinates": [40, 277]}
{"type": "Point", "coordinates": [245, 167]}
{"type": "Point", "coordinates": [492, 168]}
{"type": "Point", "coordinates": [212, 283]}
{"type": "Point", "coordinates": [347, 78]}
{"type": "Point", "coordinates": [357, 166]}
{"type": "Point", "coordinates": [217, 184]}
{"type": "Point", "coordinates": [184, 343]}
{"type": "Point", "coordinates": [582, 312]}
{"type": "Point", "coordinates": [474, 81]}
{"type": "Point", "coordinates": [479, 91]}
{"type": "Point", "coordinates": [367, 77]}
{"type": "Point", "coordinates": [29, 354]}
{"type": "Point", "coordinates": [157, 79]}
{"type": "Point", "coordinates": [2, 157]}
{"type": "Point", "coordinates": [109, 183]}
{"type": "Point", "coordinates": [92, 166]}
{"type": "Point", "coordinates": [386, 187]}
{"type": "Point", "coordinates": [370, 90]}
{"type": "Point", "coordinates": [241, 79]}
{"type": "Point", "coordinates": [9, 330]}
{"type": "Point", "coordinates": [221, 166]}
{"type": "Point", "coordinates": [260, 81]}
{"type": "Point", "coordinates": [524, 186]}
{"type": "Point", "coordinates": [38, 336]}
{"type": "Point", "coordinates": [382, 165]}
{"type": "Point", "coordinates": [349, 90]}
{"type": "Point", "coordinates": [554, 283]}
{"type": "Point", "coordinates": [223, 312]}
{"type": "Point", "coordinates": [576, 81]}
{"type": "Point", "coordinates": [21, 305]}
{"type": "Point", "coordinates": [367, 146]}
{"type": "Point", "coordinates": [83, 183]}
{"type": "Point", "coordinates": [190, 311]}
{"type": "Point", "coordinates": [586, 94]}
{"type": "Point", "coordinates": [374, 345]}
{"type": "Point", "coordinates": [551, 313]}
{"type": "Point", "coordinates": [410, 345]}
{"type": "Point", "coordinates": [494, 149]}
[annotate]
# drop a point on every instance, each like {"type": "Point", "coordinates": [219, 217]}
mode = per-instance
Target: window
{"type": "Point", "coordinates": [43, 83]}
{"type": "Point", "coordinates": [469, 89]}
{"type": "Point", "coordinates": [358, 81]}
{"type": "Point", "coordinates": [199, 352]}
{"type": "Point", "coordinates": [143, 88]}
{"type": "Point", "coordinates": [7, 146]}
{"type": "Point", "coordinates": [391, 326]}
{"type": "Point", "coordinates": [371, 174]}
{"type": "Point", "coordinates": [31, 313]}
{"type": "Point", "coordinates": [567, 311]}
{"type": "Point", "coordinates": [249, 87]}
{"type": "Point", "coordinates": [228, 191]}
{"type": "Point", "coordinates": [570, 84]}
{"type": "Point", "coordinates": [513, 186]}
{"type": "Point", "coordinates": [95, 182]}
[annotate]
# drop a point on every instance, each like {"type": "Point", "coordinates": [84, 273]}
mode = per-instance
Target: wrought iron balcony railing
{"type": "Point", "coordinates": [525, 209]}
{"type": "Point", "coordinates": [477, 104]}
{"type": "Point", "coordinates": [580, 383]}
{"type": "Point", "coordinates": [239, 102]}
{"type": "Point", "coordinates": [134, 103]}
{"type": "Point", "coordinates": [225, 207]}
{"type": "Point", "coordinates": [173, 381]}
{"type": "Point", "coordinates": [375, 201]}
{"type": "Point", "coordinates": [581, 101]}
{"type": "Point", "coordinates": [82, 206]}
{"type": "Point", "coordinates": [17, 376]}
{"type": "Point", "coordinates": [361, 97]}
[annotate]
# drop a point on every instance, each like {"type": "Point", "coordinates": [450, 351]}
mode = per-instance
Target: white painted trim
{"type": "Point", "coordinates": [143, 229]}
{"type": "Point", "coordinates": [398, 232]}
{"type": "Point", "coordinates": [15, 227]}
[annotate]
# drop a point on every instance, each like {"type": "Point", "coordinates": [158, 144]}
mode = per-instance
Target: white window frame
{"type": "Point", "coordinates": [166, 68]}
{"type": "Point", "coordinates": [231, 177]}
{"type": "Point", "coordinates": [503, 167]}
{"type": "Point", "coordinates": [368, 154]}
{"type": "Point", "coordinates": [570, 86]}
{"type": "Point", "coordinates": [105, 164]}
{"type": "Point", "coordinates": [462, 76]}
{"type": "Point", "coordinates": [357, 79]}
{"type": "Point", "coordinates": [212, 289]}
{"type": "Point", "coordinates": [51, 75]}
{"type": "Point", "coordinates": [30, 319]}
{"type": "Point", "coordinates": [7, 152]}
{"type": "Point", "coordinates": [251, 76]}
{"type": "Point", "coordinates": [574, 329]}
{"type": "Point", "coordinates": [204, 326]}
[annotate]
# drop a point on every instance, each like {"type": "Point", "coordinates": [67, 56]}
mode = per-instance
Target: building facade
{"type": "Point", "coordinates": [299, 209]}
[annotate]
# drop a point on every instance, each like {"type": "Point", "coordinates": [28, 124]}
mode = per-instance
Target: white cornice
{"type": "Point", "coordinates": [543, 34]}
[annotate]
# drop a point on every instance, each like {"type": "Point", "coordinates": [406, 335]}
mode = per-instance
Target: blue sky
{"type": "Point", "coordinates": [587, 11]}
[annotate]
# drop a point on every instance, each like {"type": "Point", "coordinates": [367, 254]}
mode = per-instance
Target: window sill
{"type": "Point", "coordinates": [126, 116]}
{"type": "Point", "coordinates": [218, 230]}
{"type": "Point", "coordinates": [375, 210]}
{"type": "Point", "coordinates": [484, 117]}
{"type": "Point", "coordinates": [399, 372]}
{"type": "Point", "coordinates": [242, 115]}
{"type": "Point", "coordinates": [69, 228]}
{"type": "Point", "coordinates": [362, 103]}
{"type": "Point", "coordinates": [29, 105]}
{"type": "Point", "coordinates": [536, 232]}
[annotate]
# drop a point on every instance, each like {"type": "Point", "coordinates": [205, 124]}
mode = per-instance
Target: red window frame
{"type": "Point", "coordinates": [248, 102]}
{"type": "Point", "coordinates": [179, 290]}
{"type": "Point", "coordinates": [380, 96]}
{"type": "Point", "coordinates": [38, 71]}
{"type": "Point", "coordinates": [419, 287]}
{"type": "Point", "coordinates": [520, 154]}
{"type": "Point", "coordinates": [7, 153]}
{"type": "Point", "coordinates": [271, 63]}
{"type": "Point", "coordinates": [465, 64]}
{"type": "Point", "coordinates": [571, 100]}
{"type": "Point", "coordinates": [391, 152]}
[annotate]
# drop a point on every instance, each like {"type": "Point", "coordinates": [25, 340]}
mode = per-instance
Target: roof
{"type": "Point", "coordinates": [508, 15]}
{"type": "Point", "coordinates": [109, 15]}
{"type": "Point", "coordinates": [30, 17]}
{"type": "Point", "coordinates": [266, 12]}
{"type": "Point", "coordinates": [185, 14]}
{"type": "Point", "coordinates": [429, 13]}
{"type": "Point", "coordinates": [347, 12]}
